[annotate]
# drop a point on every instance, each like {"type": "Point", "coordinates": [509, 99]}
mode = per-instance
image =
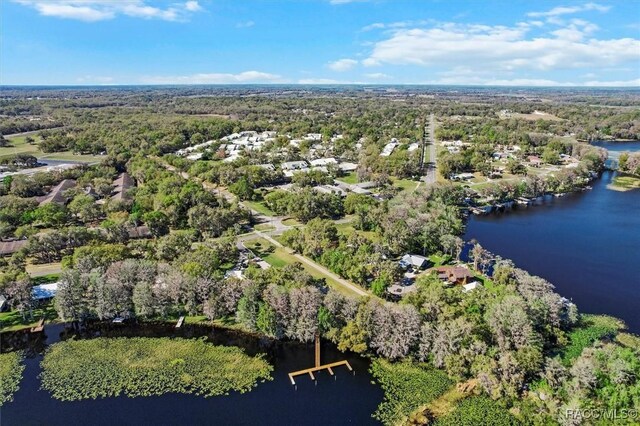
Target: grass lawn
{"type": "Point", "coordinates": [12, 320]}
{"type": "Point", "coordinates": [439, 259]}
{"type": "Point", "coordinates": [44, 269]}
{"type": "Point", "coordinates": [350, 178]}
{"type": "Point", "coordinates": [278, 257]}
{"type": "Point", "coordinates": [406, 185]}
{"type": "Point", "coordinates": [291, 222]}
{"type": "Point", "coordinates": [260, 207]}
{"type": "Point", "coordinates": [264, 227]}
{"type": "Point", "coordinates": [347, 229]}
{"type": "Point", "coordinates": [20, 146]}
{"type": "Point", "coordinates": [70, 156]}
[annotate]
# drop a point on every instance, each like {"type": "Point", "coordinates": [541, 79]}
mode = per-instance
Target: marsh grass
{"type": "Point", "coordinates": [108, 367]}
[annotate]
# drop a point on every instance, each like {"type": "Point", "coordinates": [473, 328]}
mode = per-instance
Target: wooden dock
{"type": "Point", "coordinates": [318, 366]}
{"type": "Point", "coordinates": [38, 327]}
{"type": "Point", "coordinates": [310, 371]}
{"type": "Point", "coordinates": [180, 322]}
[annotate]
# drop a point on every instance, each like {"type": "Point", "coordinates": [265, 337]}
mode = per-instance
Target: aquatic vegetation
{"type": "Point", "coordinates": [105, 367]}
{"type": "Point", "coordinates": [478, 410]}
{"type": "Point", "coordinates": [407, 386]}
{"type": "Point", "coordinates": [11, 369]}
{"type": "Point", "coordinates": [591, 329]}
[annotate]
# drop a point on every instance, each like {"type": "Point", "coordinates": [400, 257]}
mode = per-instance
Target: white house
{"type": "Point", "coordinates": [471, 286]}
{"type": "Point", "coordinates": [414, 260]}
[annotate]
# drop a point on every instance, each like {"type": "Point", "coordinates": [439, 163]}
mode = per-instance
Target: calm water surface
{"type": "Point", "coordinates": [347, 400]}
{"type": "Point", "coordinates": [587, 244]}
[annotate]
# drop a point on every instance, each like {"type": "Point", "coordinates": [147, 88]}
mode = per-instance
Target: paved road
{"type": "Point", "coordinates": [430, 177]}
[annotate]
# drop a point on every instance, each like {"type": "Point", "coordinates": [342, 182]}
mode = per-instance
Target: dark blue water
{"type": "Point", "coordinates": [587, 244]}
{"type": "Point", "coordinates": [347, 399]}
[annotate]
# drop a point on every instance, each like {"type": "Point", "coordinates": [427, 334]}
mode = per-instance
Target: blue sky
{"type": "Point", "coordinates": [320, 41]}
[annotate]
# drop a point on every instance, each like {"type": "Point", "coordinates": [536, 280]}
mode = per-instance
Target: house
{"type": "Point", "coordinates": [331, 189]}
{"type": "Point", "coordinates": [463, 176]}
{"type": "Point", "coordinates": [56, 193]}
{"type": "Point", "coordinates": [4, 305]}
{"type": "Point", "coordinates": [466, 288]}
{"type": "Point", "coordinates": [136, 232]}
{"type": "Point", "coordinates": [414, 261]}
{"type": "Point", "coordinates": [348, 167]}
{"type": "Point", "coordinates": [413, 147]}
{"type": "Point", "coordinates": [44, 291]}
{"type": "Point", "coordinates": [454, 274]}
{"type": "Point", "coordinates": [9, 247]}
{"type": "Point", "coordinates": [121, 187]}
{"type": "Point", "coordinates": [388, 149]}
{"type": "Point", "coordinates": [294, 165]}
{"type": "Point", "coordinates": [534, 160]}
{"type": "Point", "coordinates": [323, 161]}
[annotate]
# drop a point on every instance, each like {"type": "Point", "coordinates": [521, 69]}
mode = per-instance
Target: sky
{"type": "Point", "coordinates": [521, 43]}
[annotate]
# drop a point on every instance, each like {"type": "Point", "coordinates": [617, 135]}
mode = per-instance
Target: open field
{"type": "Point", "coordinates": [43, 269]}
{"type": "Point", "coordinates": [536, 115]}
{"type": "Point", "coordinates": [279, 257]}
{"type": "Point", "coordinates": [260, 207]}
{"type": "Point", "coordinates": [350, 178]}
{"type": "Point", "coordinates": [19, 145]}
{"type": "Point", "coordinates": [406, 185]}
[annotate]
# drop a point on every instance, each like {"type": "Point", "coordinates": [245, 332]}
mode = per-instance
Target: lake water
{"type": "Point", "coordinates": [587, 244]}
{"type": "Point", "coordinates": [346, 400]}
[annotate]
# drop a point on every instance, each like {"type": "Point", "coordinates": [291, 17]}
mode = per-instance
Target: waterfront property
{"type": "Point", "coordinates": [454, 274]}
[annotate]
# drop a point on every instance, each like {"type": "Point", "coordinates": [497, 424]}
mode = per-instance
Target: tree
{"type": "Point", "coordinates": [394, 329]}
{"type": "Point", "coordinates": [510, 324]}
{"type": "Point", "coordinates": [85, 208]}
{"type": "Point", "coordinates": [144, 300]}
{"type": "Point", "coordinates": [304, 305]}
{"type": "Point", "coordinates": [19, 295]}
{"type": "Point", "coordinates": [51, 215]}
{"type": "Point", "coordinates": [157, 222]}
{"type": "Point", "coordinates": [243, 189]}
{"type": "Point", "coordinates": [71, 298]}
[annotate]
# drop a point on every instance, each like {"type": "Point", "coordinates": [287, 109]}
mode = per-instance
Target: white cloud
{"type": "Point", "coordinates": [100, 10]}
{"type": "Point", "coordinates": [377, 76]}
{"type": "Point", "coordinates": [502, 49]}
{"type": "Point", "coordinates": [567, 10]}
{"type": "Point", "coordinates": [342, 64]}
{"type": "Point", "coordinates": [246, 24]}
{"type": "Point", "coordinates": [245, 77]}
{"type": "Point", "coordinates": [192, 6]}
